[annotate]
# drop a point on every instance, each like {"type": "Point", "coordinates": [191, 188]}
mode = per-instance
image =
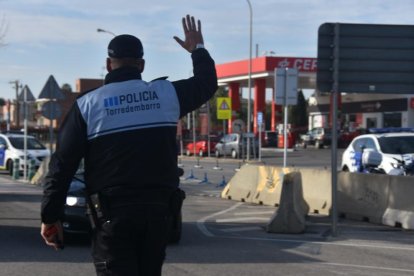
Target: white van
{"type": "Point", "coordinates": [12, 147]}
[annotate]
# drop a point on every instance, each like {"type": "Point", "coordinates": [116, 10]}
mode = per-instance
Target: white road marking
{"type": "Point", "coordinates": [254, 213]}
{"type": "Point", "coordinates": [370, 267]}
{"type": "Point", "coordinates": [241, 219]}
{"type": "Point", "coordinates": [331, 243]}
{"type": "Point", "coordinates": [200, 223]}
{"type": "Point", "coordinates": [241, 229]}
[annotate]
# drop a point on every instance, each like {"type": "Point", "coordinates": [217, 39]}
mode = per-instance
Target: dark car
{"type": "Point", "coordinates": [270, 139]}
{"type": "Point", "coordinates": [76, 219]}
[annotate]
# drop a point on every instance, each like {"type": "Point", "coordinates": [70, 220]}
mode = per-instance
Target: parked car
{"type": "Point", "coordinates": [319, 137]}
{"type": "Point", "coordinates": [12, 148]}
{"type": "Point", "coordinates": [394, 149]}
{"type": "Point", "coordinates": [235, 145]}
{"type": "Point", "coordinates": [270, 139]}
{"type": "Point", "coordinates": [201, 146]}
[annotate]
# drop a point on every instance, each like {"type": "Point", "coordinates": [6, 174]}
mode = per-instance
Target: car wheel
{"type": "Point", "coordinates": [175, 228]}
{"type": "Point", "coordinates": [9, 167]}
{"type": "Point", "coordinates": [188, 152]}
{"type": "Point", "coordinates": [233, 154]}
{"type": "Point", "coordinates": [345, 169]}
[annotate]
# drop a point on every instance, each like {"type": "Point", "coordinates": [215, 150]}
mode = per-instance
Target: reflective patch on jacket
{"type": "Point", "coordinates": [129, 105]}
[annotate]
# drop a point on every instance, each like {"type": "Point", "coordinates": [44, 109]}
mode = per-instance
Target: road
{"type": "Point", "coordinates": [220, 237]}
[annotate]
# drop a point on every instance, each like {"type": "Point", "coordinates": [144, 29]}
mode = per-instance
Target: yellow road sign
{"type": "Point", "coordinates": [223, 108]}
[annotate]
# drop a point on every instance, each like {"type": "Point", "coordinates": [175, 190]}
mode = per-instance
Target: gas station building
{"type": "Point", "coordinates": [235, 75]}
{"type": "Point", "coordinates": [356, 110]}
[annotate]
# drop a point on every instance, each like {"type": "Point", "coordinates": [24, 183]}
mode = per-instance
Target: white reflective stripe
{"type": "Point", "coordinates": [129, 105]}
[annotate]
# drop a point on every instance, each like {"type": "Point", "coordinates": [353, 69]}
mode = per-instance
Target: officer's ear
{"type": "Point", "coordinates": [109, 65]}
{"type": "Point", "coordinates": [141, 65]}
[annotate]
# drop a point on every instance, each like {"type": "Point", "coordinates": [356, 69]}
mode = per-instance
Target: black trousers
{"type": "Point", "coordinates": [131, 242]}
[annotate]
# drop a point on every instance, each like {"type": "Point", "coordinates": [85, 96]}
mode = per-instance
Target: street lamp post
{"type": "Point", "coordinates": [249, 115]}
{"type": "Point", "coordinates": [99, 30]}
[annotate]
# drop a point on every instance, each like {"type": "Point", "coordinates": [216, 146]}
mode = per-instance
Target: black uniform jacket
{"type": "Point", "coordinates": [126, 133]}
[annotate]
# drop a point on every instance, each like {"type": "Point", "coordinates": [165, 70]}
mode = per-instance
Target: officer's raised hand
{"type": "Point", "coordinates": [192, 34]}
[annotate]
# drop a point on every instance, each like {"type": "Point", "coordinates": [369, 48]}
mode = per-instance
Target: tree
{"type": "Point", "coordinates": [298, 115]}
{"type": "Point", "coordinates": [66, 87]}
{"type": "Point", "coordinates": [221, 92]}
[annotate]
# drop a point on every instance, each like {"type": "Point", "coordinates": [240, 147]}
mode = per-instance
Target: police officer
{"type": "Point", "coordinates": [125, 132]}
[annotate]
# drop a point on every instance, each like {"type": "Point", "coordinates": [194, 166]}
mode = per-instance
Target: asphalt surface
{"type": "Point", "coordinates": [220, 237]}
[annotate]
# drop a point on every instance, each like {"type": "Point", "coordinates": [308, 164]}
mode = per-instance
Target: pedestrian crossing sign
{"type": "Point", "coordinates": [223, 108]}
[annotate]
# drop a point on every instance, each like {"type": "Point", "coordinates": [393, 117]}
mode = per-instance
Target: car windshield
{"type": "Point", "coordinates": [397, 144]}
{"type": "Point", "coordinates": [32, 143]}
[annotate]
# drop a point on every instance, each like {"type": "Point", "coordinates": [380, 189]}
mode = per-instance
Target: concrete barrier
{"type": "Point", "coordinates": [376, 198]}
{"type": "Point", "coordinates": [290, 216]}
{"type": "Point", "coordinates": [363, 196]}
{"type": "Point", "coordinates": [399, 211]}
{"type": "Point", "coordinates": [269, 185]}
{"type": "Point", "coordinates": [317, 189]}
{"type": "Point", "coordinates": [263, 185]}
{"type": "Point", "coordinates": [243, 184]}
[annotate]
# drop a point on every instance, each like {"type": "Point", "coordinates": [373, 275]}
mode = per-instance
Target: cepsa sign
{"type": "Point", "coordinates": [302, 64]}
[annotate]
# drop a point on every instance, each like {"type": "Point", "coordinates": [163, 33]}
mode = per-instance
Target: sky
{"type": "Point", "coordinates": [60, 38]}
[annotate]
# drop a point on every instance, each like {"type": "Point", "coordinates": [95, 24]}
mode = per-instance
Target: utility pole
{"type": "Point", "coordinates": [17, 85]}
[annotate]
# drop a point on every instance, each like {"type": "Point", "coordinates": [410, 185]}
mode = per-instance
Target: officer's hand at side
{"type": "Point", "coordinates": [52, 234]}
{"type": "Point", "coordinates": [192, 34]}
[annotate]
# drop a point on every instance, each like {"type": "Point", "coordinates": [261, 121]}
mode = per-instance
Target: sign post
{"type": "Point", "coordinates": [52, 92]}
{"type": "Point", "coordinates": [362, 58]}
{"type": "Point", "coordinates": [260, 123]}
{"type": "Point", "coordinates": [286, 94]}
{"type": "Point", "coordinates": [224, 110]}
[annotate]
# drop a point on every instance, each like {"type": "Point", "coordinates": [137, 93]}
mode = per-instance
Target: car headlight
{"type": "Point", "coordinates": [75, 201]}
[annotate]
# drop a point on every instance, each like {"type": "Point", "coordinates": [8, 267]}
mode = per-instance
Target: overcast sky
{"type": "Point", "coordinates": [59, 37]}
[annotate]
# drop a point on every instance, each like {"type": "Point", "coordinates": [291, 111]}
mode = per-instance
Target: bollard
{"type": "Point", "coordinates": [217, 167]}
{"type": "Point", "coordinates": [180, 164]}
{"type": "Point", "coordinates": [205, 180]}
{"type": "Point", "coordinates": [222, 183]}
{"type": "Point", "coordinates": [198, 166]}
{"type": "Point", "coordinates": [190, 176]}
{"type": "Point", "coordinates": [16, 172]}
{"type": "Point", "coordinates": [32, 169]}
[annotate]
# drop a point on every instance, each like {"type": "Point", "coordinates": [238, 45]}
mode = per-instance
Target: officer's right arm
{"type": "Point", "coordinates": [70, 148]}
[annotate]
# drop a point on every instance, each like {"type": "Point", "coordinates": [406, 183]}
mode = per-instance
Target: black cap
{"type": "Point", "coordinates": [125, 46]}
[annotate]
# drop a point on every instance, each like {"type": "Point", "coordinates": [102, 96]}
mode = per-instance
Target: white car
{"type": "Point", "coordinates": [12, 148]}
{"type": "Point", "coordinates": [392, 148]}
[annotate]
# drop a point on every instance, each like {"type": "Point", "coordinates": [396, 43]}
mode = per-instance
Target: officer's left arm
{"type": "Point", "coordinates": [197, 90]}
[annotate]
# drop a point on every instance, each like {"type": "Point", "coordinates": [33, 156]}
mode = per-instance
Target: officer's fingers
{"type": "Point", "coordinates": [184, 25]}
{"type": "Point", "coordinates": [179, 41]}
{"type": "Point", "coordinates": [193, 24]}
{"type": "Point", "coordinates": [199, 26]}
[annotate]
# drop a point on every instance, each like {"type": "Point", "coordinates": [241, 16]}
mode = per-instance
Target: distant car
{"type": "Point", "coordinates": [270, 139]}
{"type": "Point", "coordinates": [318, 137]}
{"type": "Point", "coordinates": [12, 148]}
{"type": "Point", "coordinates": [201, 147]}
{"type": "Point", "coordinates": [392, 148]}
{"type": "Point", "coordinates": [235, 145]}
